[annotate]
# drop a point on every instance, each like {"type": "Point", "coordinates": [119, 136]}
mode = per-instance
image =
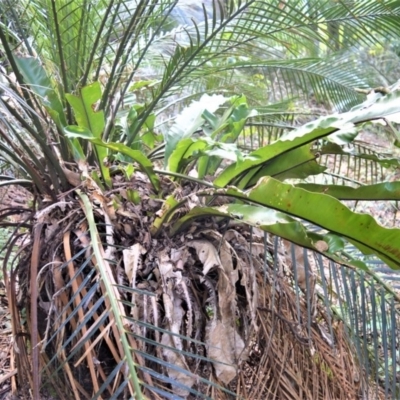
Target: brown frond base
{"type": "Point", "coordinates": [199, 300]}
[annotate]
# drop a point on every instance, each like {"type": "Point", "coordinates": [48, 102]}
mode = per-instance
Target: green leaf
{"type": "Point", "coordinates": [133, 120]}
{"type": "Point", "coordinates": [213, 154]}
{"type": "Point", "coordinates": [36, 77]}
{"type": "Point", "coordinates": [145, 164]}
{"type": "Point", "coordinates": [136, 155]}
{"type": "Point", "coordinates": [183, 152]}
{"type": "Point", "coordinates": [226, 132]}
{"type": "Point", "coordinates": [335, 242]}
{"type": "Point", "coordinates": [332, 148]}
{"type": "Point", "coordinates": [379, 191]}
{"type": "Point", "coordinates": [320, 128]}
{"type": "Point", "coordinates": [129, 170]}
{"type": "Point", "coordinates": [162, 217]}
{"type": "Point", "coordinates": [258, 158]}
{"type": "Point", "coordinates": [266, 219]}
{"type": "Point", "coordinates": [327, 212]}
{"type": "Point", "coordinates": [276, 223]}
{"type": "Point", "coordinates": [149, 138]}
{"type": "Point", "coordinates": [216, 144]}
{"type": "Point", "coordinates": [84, 107]}
{"type": "Point", "coordinates": [211, 118]}
{"type": "Point", "coordinates": [204, 149]}
{"type": "Point", "coordinates": [74, 131]}
{"type": "Point", "coordinates": [136, 86]}
{"type": "Point", "coordinates": [296, 164]}
{"type": "Point", "coordinates": [227, 151]}
{"type": "Point", "coordinates": [133, 196]}
{"type": "Point", "coordinates": [190, 120]}
{"type": "Point", "coordinates": [343, 136]}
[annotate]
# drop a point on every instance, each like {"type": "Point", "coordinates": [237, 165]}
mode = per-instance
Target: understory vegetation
{"type": "Point", "coordinates": [183, 192]}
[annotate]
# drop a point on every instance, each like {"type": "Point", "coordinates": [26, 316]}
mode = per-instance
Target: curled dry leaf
{"type": "Point", "coordinates": [207, 254]}
{"type": "Point", "coordinates": [247, 269]}
{"type": "Point", "coordinates": [129, 214]}
{"type": "Point", "coordinates": [166, 268]}
{"type": "Point", "coordinates": [179, 254]}
{"type": "Point", "coordinates": [133, 261]}
{"type": "Point", "coordinates": [73, 178]}
{"type": "Point", "coordinates": [174, 314]}
{"type": "Point", "coordinates": [178, 375]}
{"type": "Point", "coordinates": [193, 201]}
{"type": "Point", "coordinates": [227, 279]}
{"type": "Point", "coordinates": [179, 257]}
{"type": "Point", "coordinates": [224, 346]}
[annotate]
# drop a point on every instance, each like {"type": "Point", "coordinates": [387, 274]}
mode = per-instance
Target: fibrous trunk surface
{"type": "Point", "coordinates": [215, 303]}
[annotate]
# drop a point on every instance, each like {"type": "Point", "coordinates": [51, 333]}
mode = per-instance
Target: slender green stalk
{"type": "Point", "coordinates": [96, 43]}
{"type": "Point", "coordinates": [94, 235]}
{"type": "Point", "coordinates": [62, 64]}
{"type": "Point", "coordinates": [139, 10]}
